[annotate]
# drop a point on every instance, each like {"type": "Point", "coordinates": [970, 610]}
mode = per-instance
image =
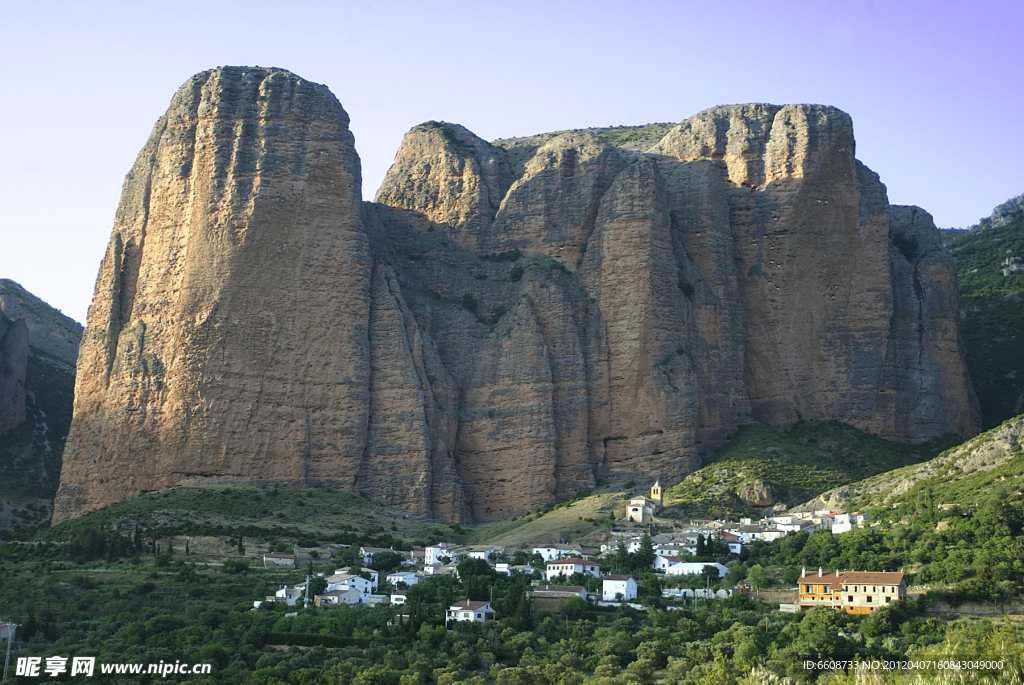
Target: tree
{"type": "Point", "coordinates": [574, 608]}
{"type": "Point", "coordinates": [241, 545]}
{"type": "Point", "coordinates": [621, 557]}
{"type": "Point", "coordinates": [758, 578]}
{"type": "Point", "coordinates": [645, 555]}
{"type": "Point", "coordinates": [317, 586]}
{"type": "Point", "coordinates": [709, 574]}
{"type": "Point", "coordinates": [701, 547]}
{"type": "Point", "coordinates": [386, 562]}
{"type": "Point", "coordinates": [737, 572]}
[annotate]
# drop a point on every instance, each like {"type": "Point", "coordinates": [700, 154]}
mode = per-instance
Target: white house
{"type": "Point", "coordinates": [398, 597]}
{"type": "Point", "coordinates": [408, 577]}
{"type": "Point", "coordinates": [552, 552]}
{"type": "Point", "coordinates": [288, 595]}
{"type": "Point", "coordinates": [567, 567]}
{"type": "Point", "coordinates": [844, 523]}
{"type": "Point", "coordinates": [686, 568]}
{"type": "Point", "coordinates": [368, 552]}
{"type": "Point", "coordinates": [663, 562]}
{"type": "Point", "coordinates": [347, 581]}
{"type": "Point", "coordinates": [467, 610]}
{"type": "Point", "coordinates": [484, 552]}
{"type": "Point", "coordinates": [372, 572]}
{"type": "Point", "coordinates": [433, 554]}
{"type": "Point", "coordinates": [797, 526]}
{"type": "Point", "coordinates": [618, 588]}
{"type": "Point", "coordinates": [338, 597]}
{"type": "Point", "coordinates": [274, 560]}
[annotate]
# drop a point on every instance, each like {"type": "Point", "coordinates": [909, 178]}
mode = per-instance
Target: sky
{"type": "Point", "coordinates": [935, 89]}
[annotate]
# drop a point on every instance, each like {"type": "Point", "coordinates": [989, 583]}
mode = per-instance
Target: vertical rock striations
{"type": "Point", "coordinates": [507, 322]}
{"type": "Point", "coordinates": [13, 360]}
{"type": "Point", "coordinates": [228, 337]}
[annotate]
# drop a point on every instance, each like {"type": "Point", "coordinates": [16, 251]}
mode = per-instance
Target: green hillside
{"type": "Point", "coordinates": [987, 468]}
{"type": "Point", "coordinates": [264, 512]}
{"type": "Point", "coordinates": [763, 466]}
{"type": "Point", "coordinates": [993, 315]}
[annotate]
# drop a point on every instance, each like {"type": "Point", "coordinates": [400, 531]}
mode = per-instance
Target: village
{"type": "Point", "coordinates": [685, 561]}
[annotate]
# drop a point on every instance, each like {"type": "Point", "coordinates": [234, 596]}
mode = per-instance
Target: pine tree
{"type": "Point", "coordinates": [241, 546]}
{"type": "Point", "coordinates": [645, 556]}
{"type": "Point", "coordinates": [621, 557]}
{"type": "Point", "coordinates": [186, 548]}
{"type": "Point", "coordinates": [701, 547]}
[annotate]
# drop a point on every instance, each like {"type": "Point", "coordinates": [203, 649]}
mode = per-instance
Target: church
{"type": "Point", "coordinates": [641, 509]}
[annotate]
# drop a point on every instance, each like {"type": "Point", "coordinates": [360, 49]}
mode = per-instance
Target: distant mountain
{"type": "Point", "coordinates": [39, 351]}
{"type": "Point", "coordinates": [990, 272]}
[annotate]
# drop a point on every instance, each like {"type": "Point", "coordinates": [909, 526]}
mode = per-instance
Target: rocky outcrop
{"type": "Point", "coordinates": [551, 209]}
{"type": "Point", "coordinates": [38, 351]}
{"type": "Point", "coordinates": [931, 394]}
{"type": "Point", "coordinates": [228, 335]}
{"type": "Point", "coordinates": [756, 493]}
{"type": "Point", "coordinates": [13, 358]}
{"type": "Point", "coordinates": [454, 178]}
{"type": "Point", "coordinates": [49, 331]}
{"type": "Point", "coordinates": [507, 322]}
{"type": "Point", "coordinates": [631, 273]}
{"type": "Point", "coordinates": [1003, 215]}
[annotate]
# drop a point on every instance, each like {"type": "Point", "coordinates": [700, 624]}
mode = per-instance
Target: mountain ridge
{"type": "Point", "coordinates": [510, 331]}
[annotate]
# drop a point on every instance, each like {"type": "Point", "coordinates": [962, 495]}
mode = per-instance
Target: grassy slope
{"type": "Point", "coordinates": [279, 512]}
{"type": "Point", "coordinates": [565, 522]}
{"type": "Point", "coordinates": [635, 138]}
{"type": "Point", "coordinates": [798, 464]}
{"type": "Point", "coordinates": [993, 323]}
{"type": "Point", "coordinates": [989, 466]}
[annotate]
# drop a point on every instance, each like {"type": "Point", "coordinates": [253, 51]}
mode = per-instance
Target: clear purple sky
{"type": "Point", "coordinates": [935, 89]}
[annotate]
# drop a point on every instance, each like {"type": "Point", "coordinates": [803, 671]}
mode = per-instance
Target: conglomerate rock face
{"type": "Point", "coordinates": [13, 357]}
{"type": "Point", "coordinates": [506, 322]}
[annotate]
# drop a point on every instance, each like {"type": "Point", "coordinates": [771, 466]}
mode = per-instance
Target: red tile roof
{"type": "Point", "coordinates": [866, 577]}
{"type": "Point", "coordinates": [467, 605]}
{"type": "Point", "coordinates": [620, 577]}
{"type": "Point", "coordinates": [558, 588]}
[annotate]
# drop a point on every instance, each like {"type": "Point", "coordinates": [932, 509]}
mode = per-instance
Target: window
{"type": "Point", "coordinates": [479, 615]}
{"type": "Point", "coordinates": [888, 598]}
{"type": "Point", "coordinates": [869, 599]}
{"type": "Point", "coordinates": [849, 598]}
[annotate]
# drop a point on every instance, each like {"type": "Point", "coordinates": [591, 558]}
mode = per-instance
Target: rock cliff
{"type": "Point", "coordinates": [13, 357]}
{"type": "Point", "coordinates": [38, 350]}
{"type": "Point", "coordinates": [507, 321]}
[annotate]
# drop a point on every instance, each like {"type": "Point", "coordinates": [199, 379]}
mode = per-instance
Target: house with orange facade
{"type": "Point", "coordinates": [855, 592]}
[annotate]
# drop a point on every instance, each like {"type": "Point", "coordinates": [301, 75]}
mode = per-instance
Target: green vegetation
{"type": "Point", "coordinates": [260, 512]}
{"type": "Point", "coordinates": [790, 467]}
{"type": "Point", "coordinates": [989, 466]}
{"type": "Point", "coordinates": [452, 133]}
{"type": "Point", "coordinates": [993, 324]}
{"type": "Point", "coordinates": [144, 609]}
